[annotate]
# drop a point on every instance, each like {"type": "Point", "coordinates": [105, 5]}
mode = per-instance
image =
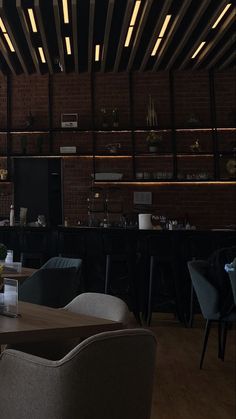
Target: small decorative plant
{"type": "Point", "coordinates": [154, 139]}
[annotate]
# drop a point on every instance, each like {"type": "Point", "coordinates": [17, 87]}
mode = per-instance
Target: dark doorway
{"type": "Point", "coordinates": [37, 186]}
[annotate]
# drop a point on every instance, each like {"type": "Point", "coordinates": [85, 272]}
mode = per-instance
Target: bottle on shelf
{"type": "Point", "coordinates": [12, 215]}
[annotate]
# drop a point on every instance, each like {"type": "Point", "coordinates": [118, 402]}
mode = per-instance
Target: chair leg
{"type": "Point", "coordinates": [108, 270]}
{"type": "Point", "coordinates": [190, 322]}
{"type": "Point", "coordinates": [220, 340]}
{"type": "Point", "coordinates": [207, 331]}
{"type": "Point", "coordinates": [224, 338]}
{"type": "Point", "coordinates": [149, 308]}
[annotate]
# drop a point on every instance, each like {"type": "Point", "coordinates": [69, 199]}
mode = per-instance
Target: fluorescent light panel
{"type": "Point", "coordinates": [97, 52]}
{"type": "Point", "coordinates": [42, 56]}
{"type": "Point", "coordinates": [156, 46]}
{"type": "Point", "coordinates": [221, 15]}
{"type": "Point", "coordinates": [65, 11]}
{"type": "Point", "coordinates": [198, 49]}
{"type": "Point", "coordinates": [164, 26]}
{"type": "Point", "coordinates": [68, 45]}
{"type": "Point", "coordinates": [128, 36]}
{"type": "Point", "coordinates": [135, 12]}
{"type": "Point", "coordinates": [9, 42]}
{"type": "Point", "coordinates": [161, 34]}
{"type": "Point", "coordinates": [32, 20]}
{"type": "Point", "coordinates": [2, 26]}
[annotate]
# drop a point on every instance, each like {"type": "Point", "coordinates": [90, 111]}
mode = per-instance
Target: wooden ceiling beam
{"type": "Point", "coordinates": [26, 30]}
{"type": "Point", "coordinates": [59, 34]}
{"type": "Point", "coordinates": [166, 41]}
{"type": "Point", "coordinates": [124, 29]}
{"type": "Point", "coordinates": [203, 33]}
{"type": "Point", "coordinates": [7, 57]}
{"type": "Point", "coordinates": [160, 21]}
{"type": "Point", "coordinates": [138, 36]}
{"type": "Point", "coordinates": [228, 61]}
{"type": "Point", "coordinates": [186, 35]}
{"type": "Point", "coordinates": [12, 37]}
{"type": "Point", "coordinates": [91, 30]}
{"type": "Point", "coordinates": [219, 34]}
{"type": "Point", "coordinates": [43, 34]}
{"type": "Point", "coordinates": [221, 52]}
{"type": "Point", "coordinates": [107, 33]}
{"type": "Point", "coordinates": [75, 34]}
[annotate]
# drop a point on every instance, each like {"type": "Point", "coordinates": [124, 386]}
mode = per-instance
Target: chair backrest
{"type": "Point", "coordinates": [109, 375]}
{"type": "Point", "coordinates": [62, 262]}
{"type": "Point", "coordinates": [100, 305]}
{"type": "Point", "coordinates": [207, 294]}
{"type": "Point", "coordinates": [53, 287]}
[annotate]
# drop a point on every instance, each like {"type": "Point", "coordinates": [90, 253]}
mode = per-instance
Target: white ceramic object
{"type": "Point", "coordinates": [145, 221]}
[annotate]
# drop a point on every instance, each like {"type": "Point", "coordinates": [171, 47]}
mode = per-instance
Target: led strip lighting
{"type": "Point", "coordinates": [132, 22]}
{"type": "Point", "coordinates": [32, 20]}
{"type": "Point", "coordinates": [161, 34]}
{"type": "Point", "coordinates": [6, 36]}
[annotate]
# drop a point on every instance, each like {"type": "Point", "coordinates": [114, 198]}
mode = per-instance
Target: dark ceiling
{"type": "Point", "coordinates": [106, 23]}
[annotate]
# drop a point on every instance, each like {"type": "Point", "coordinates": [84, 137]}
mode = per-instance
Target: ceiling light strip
{"type": "Point", "coordinates": [42, 56]}
{"type": "Point", "coordinates": [65, 11]}
{"type": "Point", "coordinates": [161, 34]}
{"type": "Point", "coordinates": [12, 49]}
{"type": "Point", "coordinates": [2, 26]}
{"type": "Point", "coordinates": [221, 15]}
{"type": "Point", "coordinates": [97, 52]}
{"type": "Point", "coordinates": [132, 22]}
{"type": "Point", "coordinates": [32, 20]}
{"type": "Point", "coordinates": [156, 46]}
{"type": "Point", "coordinates": [135, 13]}
{"type": "Point", "coordinates": [128, 37]}
{"type": "Point", "coordinates": [68, 45]}
{"type": "Point", "coordinates": [198, 49]}
{"type": "Point", "coordinates": [164, 26]}
{"type": "Point", "coordinates": [7, 38]}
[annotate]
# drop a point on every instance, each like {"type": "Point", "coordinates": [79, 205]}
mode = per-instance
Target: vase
{"type": "Point", "coordinates": [153, 148]}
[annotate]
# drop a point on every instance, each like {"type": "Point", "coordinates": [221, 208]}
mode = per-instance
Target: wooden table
{"type": "Point", "coordinates": [40, 323]}
{"type": "Point", "coordinates": [22, 275]}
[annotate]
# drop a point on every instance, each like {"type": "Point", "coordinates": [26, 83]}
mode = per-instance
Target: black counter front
{"type": "Point", "coordinates": [174, 249]}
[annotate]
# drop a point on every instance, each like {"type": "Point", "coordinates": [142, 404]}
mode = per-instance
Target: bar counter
{"type": "Point", "coordinates": [174, 248]}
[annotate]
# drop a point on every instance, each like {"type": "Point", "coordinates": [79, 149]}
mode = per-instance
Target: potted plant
{"type": "Point", "coordinates": [154, 139]}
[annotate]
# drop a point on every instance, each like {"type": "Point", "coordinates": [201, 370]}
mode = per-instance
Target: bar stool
{"type": "Point", "coordinates": [121, 257]}
{"type": "Point", "coordinates": [34, 247]}
{"type": "Point", "coordinates": [162, 275]}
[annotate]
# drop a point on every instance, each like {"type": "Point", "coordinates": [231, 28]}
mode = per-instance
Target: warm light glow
{"type": "Point", "coordinates": [65, 11]}
{"type": "Point", "coordinates": [97, 52]}
{"type": "Point", "coordinates": [42, 56]}
{"type": "Point", "coordinates": [198, 49]}
{"type": "Point", "coordinates": [135, 12]}
{"type": "Point", "coordinates": [164, 26]}
{"type": "Point", "coordinates": [68, 46]}
{"type": "Point", "coordinates": [32, 20]}
{"type": "Point", "coordinates": [128, 37]}
{"type": "Point", "coordinates": [2, 26]}
{"type": "Point", "coordinates": [221, 15]}
{"type": "Point", "coordinates": [166, 183]}
{"type": "Point", "coordinates": [9, 42]}
{"type": "Point", "coordinates": [154, 51]}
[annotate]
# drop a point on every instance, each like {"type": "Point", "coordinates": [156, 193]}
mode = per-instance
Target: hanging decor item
{"type": "Point", "coordinates": [115, 118]}
{"type": "Point", "coordinates": [104, 119]}
{"type": "Point", "coordinates": [151, 117]}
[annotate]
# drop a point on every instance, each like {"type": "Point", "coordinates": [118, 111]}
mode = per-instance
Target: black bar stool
{"type": "Point", "coordinates": [163, 287]}
{"type": "Point", "coordinates": [121, 258]}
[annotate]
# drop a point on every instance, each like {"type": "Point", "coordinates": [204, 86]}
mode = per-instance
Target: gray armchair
{"type": "Point", "coordinates": [107, 376]}
{"type": "Point", "coordinates": [100, 305]}
{"type": "Point", "coordinates": [209, 301]}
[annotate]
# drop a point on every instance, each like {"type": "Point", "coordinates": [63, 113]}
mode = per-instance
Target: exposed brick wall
{"type": "Point", "coordinates": [208, 204]}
